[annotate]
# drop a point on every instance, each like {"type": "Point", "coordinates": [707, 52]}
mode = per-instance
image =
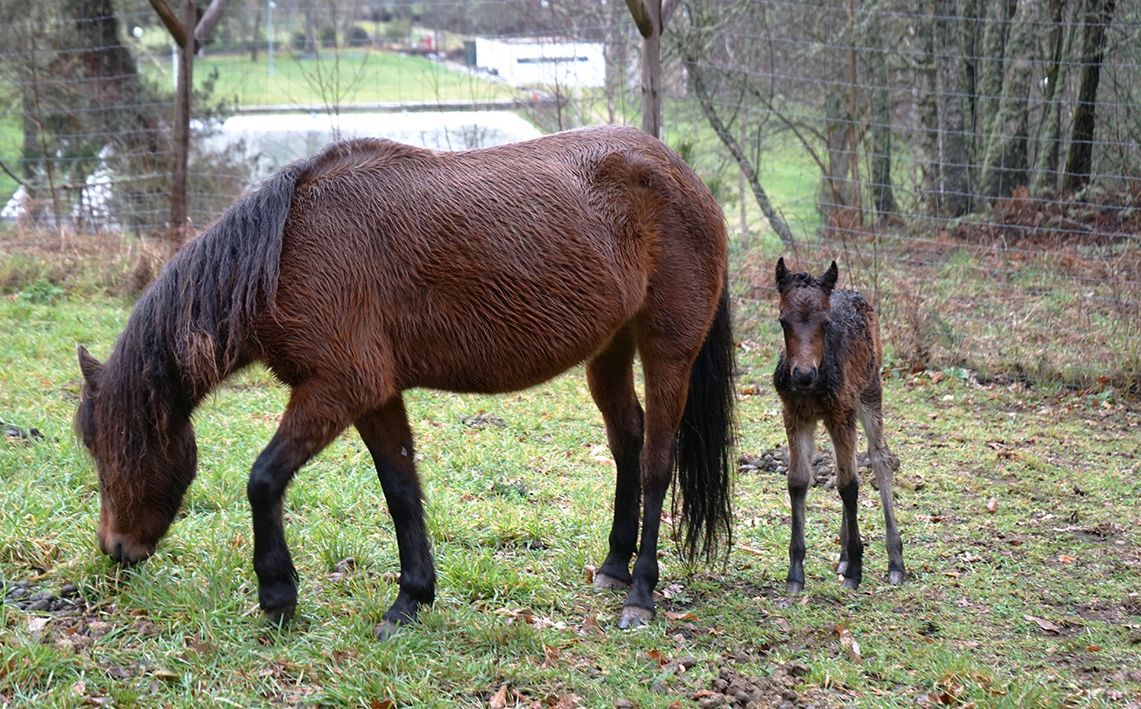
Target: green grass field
{"type": "Point", "coordinates": [352, 76]}
{"type": "Point", "coordinates": [1017, 507]}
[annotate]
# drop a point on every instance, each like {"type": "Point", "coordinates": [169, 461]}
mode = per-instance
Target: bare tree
{"type": "Point", "coordinates": [1079, 163]}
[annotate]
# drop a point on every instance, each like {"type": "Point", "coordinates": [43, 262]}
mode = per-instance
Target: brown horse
{"type": "Point", "coordinates": [830, 370]}
{"type": "Point", "coordinates": [376, 267]}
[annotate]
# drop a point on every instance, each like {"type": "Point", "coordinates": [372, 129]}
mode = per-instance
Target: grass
{"type": "Point", "coordinates": [346, 77]}
{"type": "Point", "coordinates": [1029, 600]}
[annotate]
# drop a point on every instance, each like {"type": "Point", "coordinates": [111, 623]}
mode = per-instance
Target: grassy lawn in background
{"type": "Point", "coordinates": [1017, 508]}
{"type": "Point", "coordinates": [353, 76]}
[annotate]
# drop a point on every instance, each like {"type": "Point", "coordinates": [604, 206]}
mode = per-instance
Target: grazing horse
{"type": "Point", "coordinates": [375, 267]}
{"type": "Point", "coordinates": [830, 371]}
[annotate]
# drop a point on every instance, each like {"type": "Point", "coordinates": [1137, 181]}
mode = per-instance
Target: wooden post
{"type": "Point", "coordinates": [651, 17]}
{"type": "Point", "coordinates": [188, 33]}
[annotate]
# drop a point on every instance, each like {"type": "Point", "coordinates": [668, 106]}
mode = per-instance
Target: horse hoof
{"type": "Point", "coordinates": [795, 587]}
{"type": "Point", "coordinates": [842, 567]}
{"type": "Point", "coordinates": [634, 617]}
{"type": "Point", "coordinates": [280, 616]}
{"type": "Point", "coordinates": [385, 630]}
{"type": "Point", "coordinates": [851, 584]}
{"type": "Point", "coordinates": [895, 578]}
{"type": "Point", "coordinates": [609, 583]}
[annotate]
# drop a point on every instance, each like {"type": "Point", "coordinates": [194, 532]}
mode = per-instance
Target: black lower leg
{"type": "Point", "coordinates": [277, 577]}
{"type": "Point", "coordinates": [624, 530]}
{"type": "Point", "coordinates": [638, 608]}
{"type": "Point", "coordinates": [853, 573]}
{"type": "Point", "coordinates": [796, 496]}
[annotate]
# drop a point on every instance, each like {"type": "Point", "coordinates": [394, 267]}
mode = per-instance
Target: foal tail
{"type": "Point", "coordinates": [703, 455]}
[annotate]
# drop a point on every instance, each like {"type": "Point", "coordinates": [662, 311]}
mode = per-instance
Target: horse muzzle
{"type": "Point", "coordinates": [123, 548]}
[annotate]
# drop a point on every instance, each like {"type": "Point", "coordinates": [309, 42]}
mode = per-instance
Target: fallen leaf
{"type": "Point", "coordinates": [1046, 625]}
{"type": "Point", "coordinates": [588, 573]}
{"type": "Point", "coordinates": [992, 505]}
{"type": "Point", "coordinates": [1067, 559]}
{"type": "Point", "coordinates": [382, 704]}
{"type": "Point", "coordinates": [499, 700]}
{"type": "Point", "coordinates": [1093, 648]}
{"type": "Point", "coordinates": [657, 656]}
{"type": "Point", "coordinates": [36, 626]}
{"type": "Point", "coordinates": [165, 675]}
{"type": "Point", "coordinates": [670, 615]}
{"type": "Point", "coordinates": [849, 644]}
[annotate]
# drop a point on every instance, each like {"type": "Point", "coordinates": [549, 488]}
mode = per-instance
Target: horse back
{"type": "Point", "coordinates": [485, 270]}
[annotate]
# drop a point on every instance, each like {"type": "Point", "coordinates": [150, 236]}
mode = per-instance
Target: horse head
{"type": "Point", "coordinates": [144, 465]}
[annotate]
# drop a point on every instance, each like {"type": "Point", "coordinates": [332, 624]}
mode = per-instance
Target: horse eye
{"type": "Point", "coordinates": [783, 323]}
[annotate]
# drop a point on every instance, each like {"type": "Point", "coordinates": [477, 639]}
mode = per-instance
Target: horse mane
{"type": "Point", "coordinates": [193, 326]}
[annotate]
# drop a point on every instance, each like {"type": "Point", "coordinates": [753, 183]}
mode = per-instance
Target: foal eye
{"type": "Point", "coordinates": [783, 323]}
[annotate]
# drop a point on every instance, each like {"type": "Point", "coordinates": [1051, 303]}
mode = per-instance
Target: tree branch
{"type": "Point", "coordinates": [668, 7]}
{"type": "Point", "coordinates": [637, 9]}
{"type": "Point", "coordinates": [702, 92]}
{"type": "Point", "coordinates": [170, 20]}
{"type": "Point", "coordinates": [208, 20]}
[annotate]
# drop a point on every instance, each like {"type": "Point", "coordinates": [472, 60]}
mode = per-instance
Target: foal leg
{"type": "Point", "coordinates": [611, 379]}
{"type": "Point", "coordinates": [801, 433]}
{"type": "Point", "coordinates": [884, 464]}
{"type": "Point", "coordinates": [386, 433]}
{"type": "Point", "coordinates": [843, 433]}
{"type": "Point", "coordinates": [667, 385]}
{"type": "Point", "coordinates": [307, 426]}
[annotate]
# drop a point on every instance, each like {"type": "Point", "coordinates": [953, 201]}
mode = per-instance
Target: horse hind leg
{"type": "Point", "coordinates": [801, 433]}
{"type": "Point", "coordinates": [307, 426]}
{"type": "Point", "coordinates": [884, 463]}
{"type": "Point", "coordinates": [842, 429]}
{"type": "Point", "coordinates": [386, 433]}
{"type": "Point", "coordinates": [611, 379]}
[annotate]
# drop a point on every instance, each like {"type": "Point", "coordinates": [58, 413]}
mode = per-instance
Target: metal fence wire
{"type": "Point", "coordinates": [974, 165]}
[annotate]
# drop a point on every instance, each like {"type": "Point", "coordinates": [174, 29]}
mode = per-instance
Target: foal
{"type": "Point", "coordinates": [829, 371]}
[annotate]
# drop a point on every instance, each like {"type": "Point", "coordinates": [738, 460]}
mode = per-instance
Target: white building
{"type": "Point", "coordinates": [543, 62]}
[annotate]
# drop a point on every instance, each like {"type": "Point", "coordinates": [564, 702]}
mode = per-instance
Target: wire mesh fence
{"type": "Point", "coordinates": [975, 166]}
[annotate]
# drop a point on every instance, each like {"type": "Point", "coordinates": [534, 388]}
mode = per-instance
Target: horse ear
{"type": "Point", "coordinates": [90, 367]}
{"type": "Point", "coordinates": [782, 272]}
{"type": "Point", "coordinates": [828, 280]}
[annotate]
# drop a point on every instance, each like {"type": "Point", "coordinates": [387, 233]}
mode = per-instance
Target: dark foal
{"type": "Point", "coordinates": [375, 267]}
{"type": "Point", "coordinates": [830, 371]}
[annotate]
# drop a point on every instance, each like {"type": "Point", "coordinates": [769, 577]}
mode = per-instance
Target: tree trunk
{"type": "Point", "coordinates": [954, 160]}
{"type": "Point", "coordinates": [835, 202]}
{"type": "Point", "coordinates": [1049, 145]}
{"type": "Point", "coordinates": [928, 106]}
{"type": "Point", "coordinates": [1079, 163]}
{"type": "Point", "coordinates": [1005, 165]}
{"type": "Point", "coordinates": [990, 65]}
{"type": "Point", "coordinates": [883, 194]}
{"type": "Point", "coordinates": [181, 140]}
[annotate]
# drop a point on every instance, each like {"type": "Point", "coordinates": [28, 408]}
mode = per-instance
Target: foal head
{"type": "Point", "coordinates": [804, 307]}
{"type": "Point", "coordinates": [145, 461]}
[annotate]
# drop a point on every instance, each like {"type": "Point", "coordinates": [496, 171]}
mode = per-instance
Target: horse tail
{"type": "Point", "coordinates": [219, 283]}
{"type": "Point", "coordinates": [703, 452]}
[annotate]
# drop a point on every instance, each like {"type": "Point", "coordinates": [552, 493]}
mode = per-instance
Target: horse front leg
{"type": "Point", "coordinates": [611, 379]}
{"type": "Point", "coordinates": [388, 437]}
{"type": "Point", "coordinates": [800, 434]}
{"type": "Point", "coordinates": [843, 433]}
{"type": "Point", "coordinates": [305, 429]}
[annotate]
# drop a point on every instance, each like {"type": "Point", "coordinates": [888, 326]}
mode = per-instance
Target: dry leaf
{"type": "Point", "coordinates": [588, 573]}
{"type": "Point", "coordinates": [1067, 559]}
{"type": "Point", "coordinates": [992, 505]}
{"type": "Point", "coordinates": [670, 615]}
{"type": "Point", "coordinates": [1046, 625]}
{"type": "Point", "coordinates": [382, 704]}
{"type": "Point", "coordinates": [165, 674]}
{"type": "Point", "coordinates": [657, 656]}
{"type": "Point", "coordinates": [848, 643]}
{"type": "Point", "coordinates": [499, 701]}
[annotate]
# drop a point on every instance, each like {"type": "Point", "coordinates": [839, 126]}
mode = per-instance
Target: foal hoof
{"type": "Point", "coordinates": [794, 587]}
{"type": "Point", "coordinates": [851, 584]}
{"type": "Point", "coordinates": [609, 583]}
{"type": "Point", "coordinates": [895, 578]}
{"type": "Point", "coordinates": [386, 629]}
{"type": "Point", "coordinates": [634, 617]}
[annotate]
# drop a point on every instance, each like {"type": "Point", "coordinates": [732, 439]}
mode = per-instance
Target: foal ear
{"type": "Point", "coordinates": [782, 272]}
{"type": "Point", "coordinates": [828, 280]}
{"type": "Point", "coordinates": [90, 367]}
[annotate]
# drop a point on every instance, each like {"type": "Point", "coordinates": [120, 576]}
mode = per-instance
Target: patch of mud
{"type": "Point", "coordinates": [775, 460]}
{"type": "Point", "coordinates": [778, 690]}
